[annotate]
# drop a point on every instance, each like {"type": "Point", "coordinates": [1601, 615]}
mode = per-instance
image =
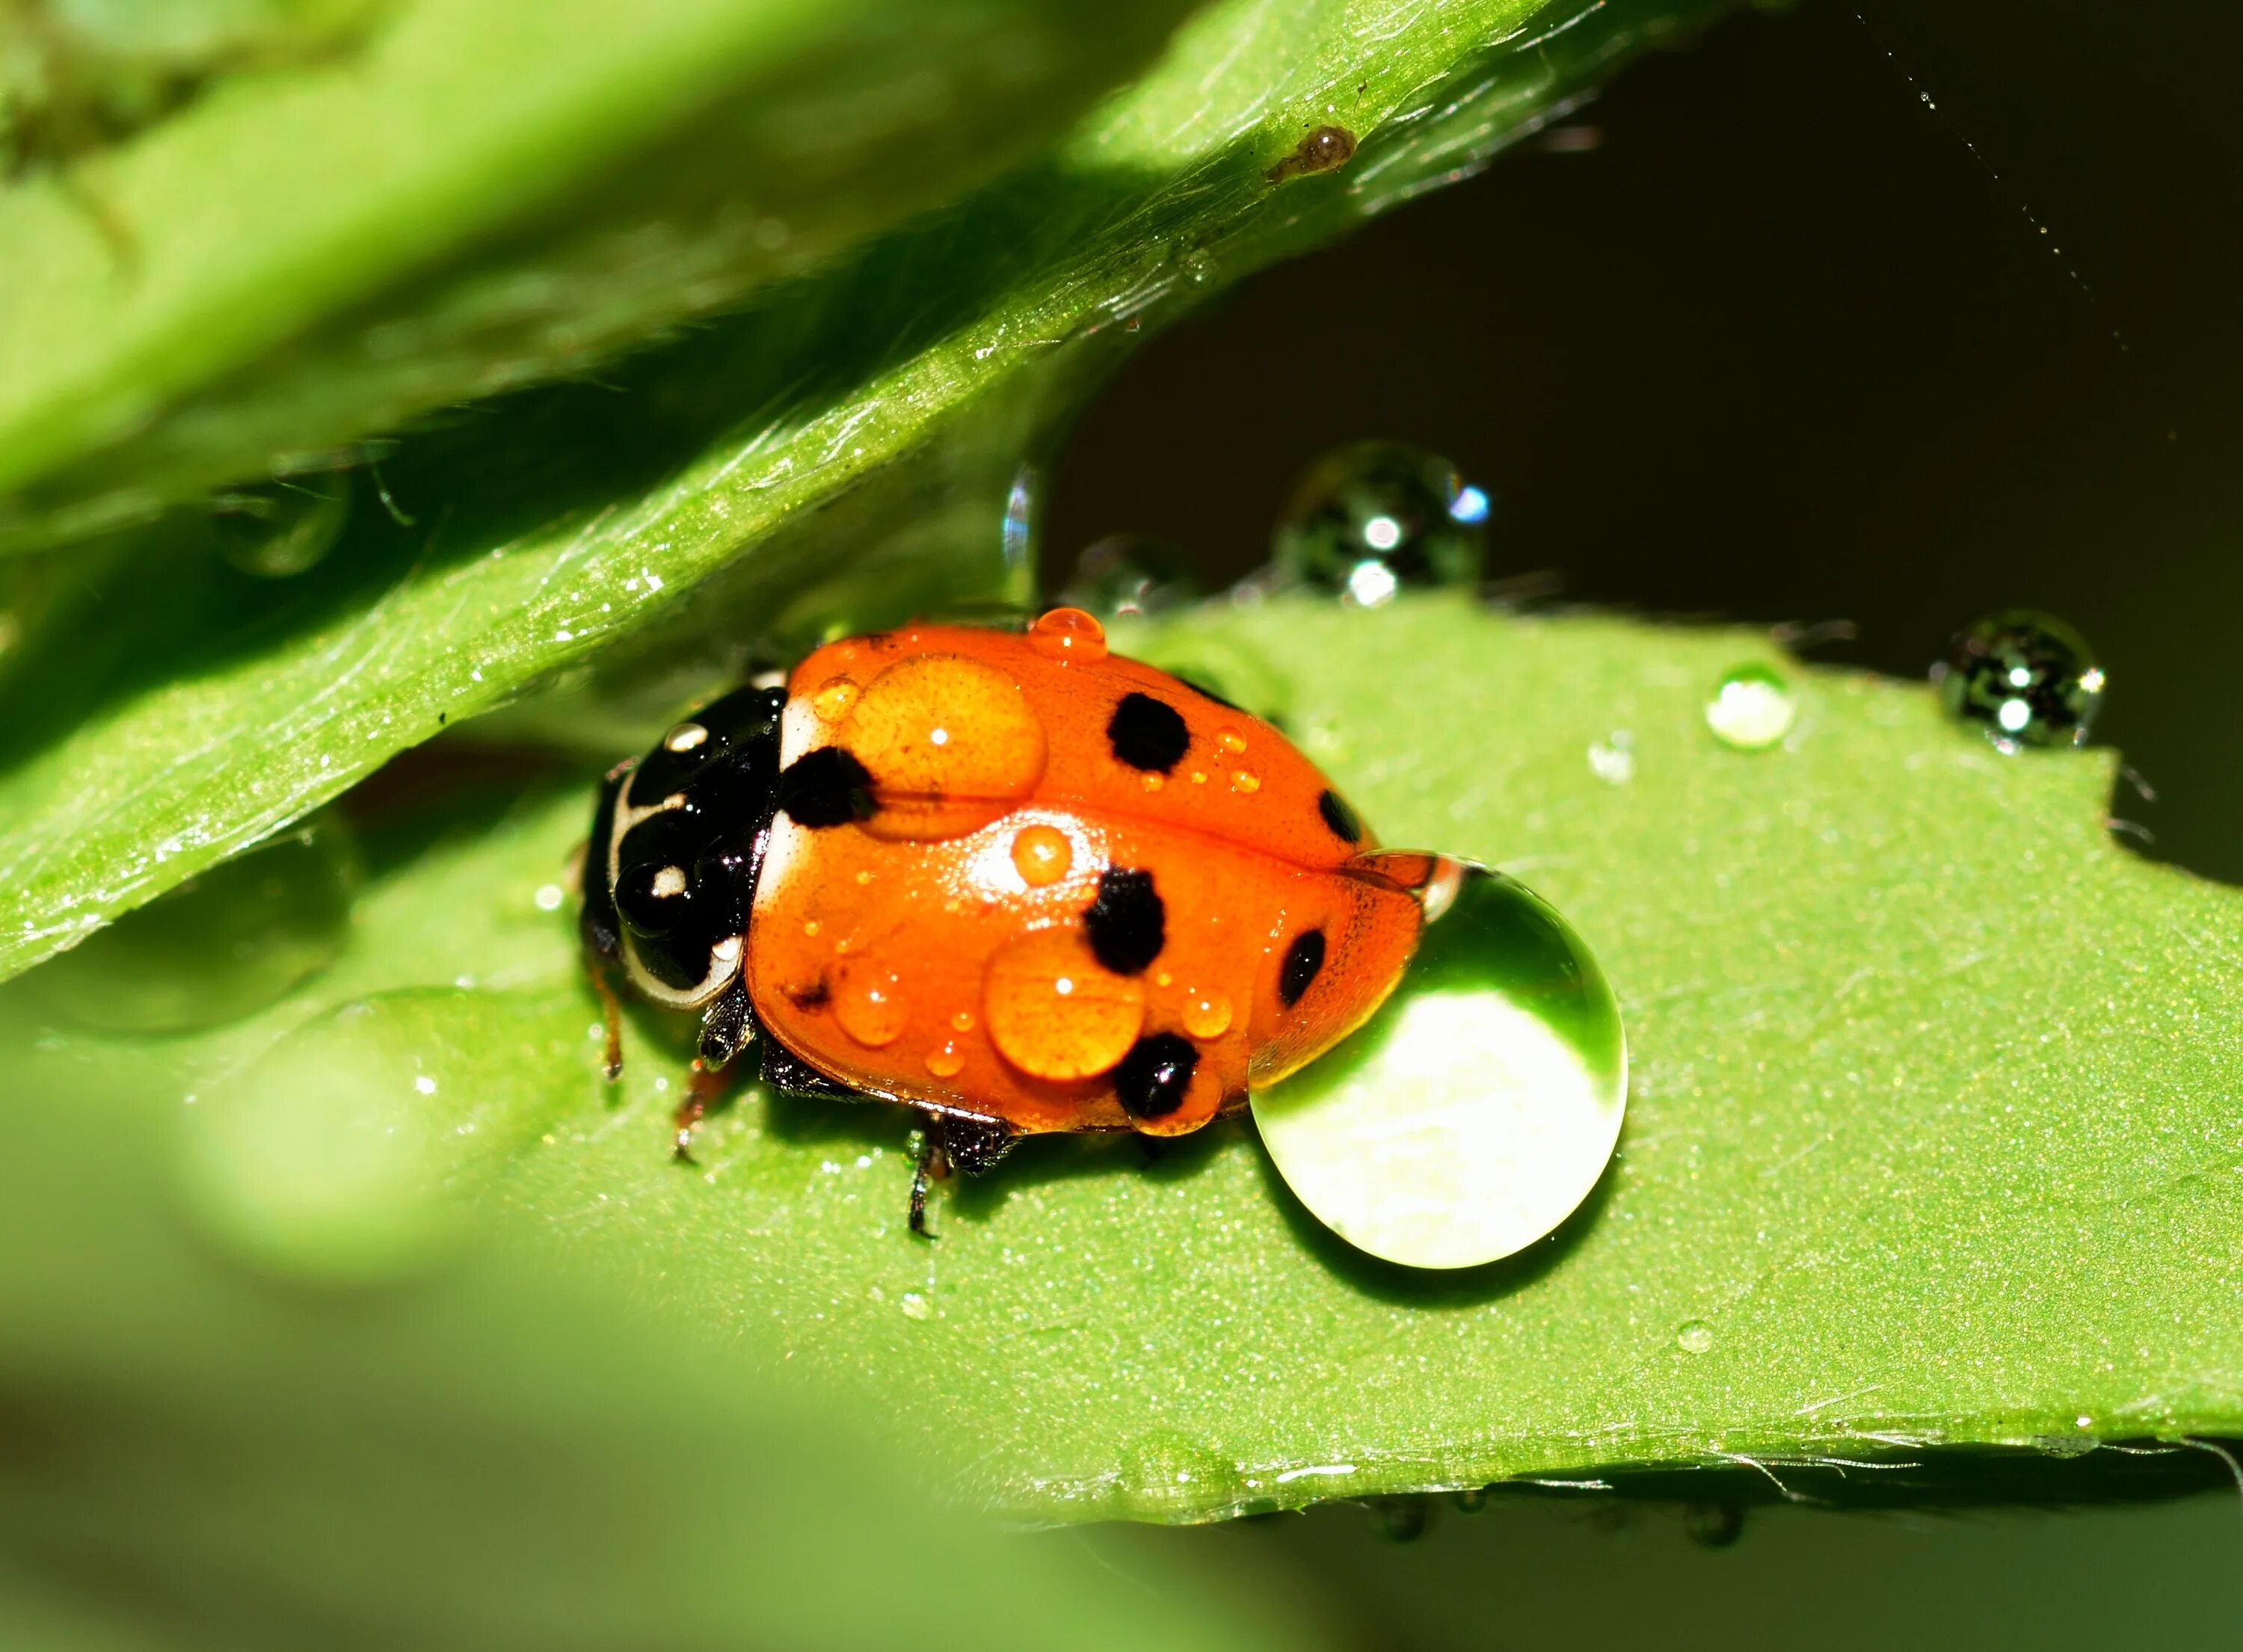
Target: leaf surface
{"type": "Point", "coordinates": [1933, 1137]}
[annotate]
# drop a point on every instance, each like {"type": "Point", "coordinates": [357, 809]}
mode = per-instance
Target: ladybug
{"type": "Point", "coordinates": [1009, 879]}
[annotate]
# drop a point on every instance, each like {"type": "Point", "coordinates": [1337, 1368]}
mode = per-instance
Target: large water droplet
{"type": "Point", "coordinates": [1371, 519]}
{"type": "Point", "coordinates": [1067, 634]}
{"type": "Point", "coordinates": [1128, 573]}
{"type": "Point", "coordinates": [1751, 708]}
{"type": "Point", "coordinates": [280, 530]}
{"type": "Point", "coordinates": [345, 1151]}
{"type": "Point", "coordinates": [1482, 1103]}
{"type": "Point", "coordinates": [227, 942]}
{"type": "Point", "coordinates": [2025, 679]}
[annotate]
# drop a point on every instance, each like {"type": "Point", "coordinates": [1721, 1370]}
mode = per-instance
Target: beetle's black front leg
{"type": "Point", "coordinates": [972, 1147]}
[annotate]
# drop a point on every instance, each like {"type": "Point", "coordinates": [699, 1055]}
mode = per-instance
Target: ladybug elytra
{"type": "Point", "coordinates": [1009, 879]}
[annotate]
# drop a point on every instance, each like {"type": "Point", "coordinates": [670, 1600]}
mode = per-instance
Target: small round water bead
{"type": "Point", "coordinates": [1480, 1105]}
{"type": "Point", "coordinates": [2025, 679]}
{"type": "Point", "coordinates": [278, 530]}
{"type": "Point", "coordinates": [1369, 518]}
{"type": "Point", "coordinates": [1751, 708]}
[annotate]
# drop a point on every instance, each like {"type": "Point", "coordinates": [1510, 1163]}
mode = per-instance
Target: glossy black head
{"type": "Point", "coordinates": [686, 840]}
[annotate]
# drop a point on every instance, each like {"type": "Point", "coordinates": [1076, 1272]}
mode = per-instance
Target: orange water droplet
{"type": "Point", "coordinates": [1206, 1015]}
{"type": "Point", "coordinates": [1230, 740]}
{"type": "Point", "coordinates": [868, 1003]}
{"type": "Point", "coordinates": [1068, 635]}
{"type": "Point", "coordinates": [1054, 1011]}
{"type": "Point", "coordinates": [834, 697]}
{"type": "Point", "coordinates": [1245, 779]}
{"type": "Point", "coordinates": [811, 928]}
{"type": "Point", "coordinates": [1162, 978]}
{"type": "Point", "coordinates": [863, 878]}
{"type": "Point", "coordinates": [1199, 776]}
{"type": "Point", "coordinates": [1041, 855]}
{"type": "Point", "coordinates": [963, 1021]}
{"type": "Point", "coordinates": [945, 1059]}
{"type": "Point", "coordinates": [1152, 783]}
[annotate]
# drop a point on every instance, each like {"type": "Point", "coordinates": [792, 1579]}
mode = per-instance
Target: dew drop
{"type": "Point", "coordinates": [1232, 741]}
{"type": "Point", "coordinates": [227, 942]}
{"type": "Point", "coordinates": [962, 1021]}
{"type": "Point", "coordinates": [1751, 708]}
{"type": "Point", "coordinates": [1128, 573]}
{"type": "Point", "coordinates": [1245, 781]}
{"type": "Point", "coordinates": [1371, 519]}
{"type": "Point", "coordinates": [2022, 678]}
{"type": "Point", "coordinates": [1068, 635]}
{"type": "Point", "coordinates": [1480, 1105]}
{"type": "Point", "coordinates": [915, 1306]}
{"type": "Point", "coordinates": [281, 529]}
{"type": "Point", "coordinates": [1206, 1015]}
{"type": "Point", "coordinates": [868, 1002]}
{"type": "Point", "coordinates": [1054, 1011]}
{"type": "Point", "coordinates": [945, 1060]}
{"type": "Point", "coordinates": [1041, 855]}
{"type": "Point", "coordinates": [1695, 1336]}
{"type": "Point", "coordinates": [833, 698]}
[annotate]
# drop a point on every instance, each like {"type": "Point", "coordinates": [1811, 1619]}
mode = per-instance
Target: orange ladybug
{"type": "Point", "coordinates": [1012, 880]}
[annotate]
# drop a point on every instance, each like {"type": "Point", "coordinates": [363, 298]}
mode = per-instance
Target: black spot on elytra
{"type": "Point", "coordinates": [827, 787]}
{"type": "Point", "coordinates": [1302, 959]}
{"type": "Point", "coordinates": [1148, 733]}
{"type": "Point", "coordinates": [1346, 824]}
{"type": "Point", "coordinates": [1152, 1079]}
{"type": "Point", "coordinates": [1128, 923]}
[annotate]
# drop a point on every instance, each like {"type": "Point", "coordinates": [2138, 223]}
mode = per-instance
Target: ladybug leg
{"type": "Point", "coordinates": [728, 1025]}
{"type": "Point", "coordinates": [597, 921]}
{"type": "Point", "coordinates": [972, 1146]}
{"type": "Point", "coordinates": [703, 1091]}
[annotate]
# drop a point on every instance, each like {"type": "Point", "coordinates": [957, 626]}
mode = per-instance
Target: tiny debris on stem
{"type": "Point", "coordinates": [1325, 150]}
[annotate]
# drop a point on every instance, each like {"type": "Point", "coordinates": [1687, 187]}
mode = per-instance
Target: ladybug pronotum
{"type": "Point", "coordinates": [1009, 879]}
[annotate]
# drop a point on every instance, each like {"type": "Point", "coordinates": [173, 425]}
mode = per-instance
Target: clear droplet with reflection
{"type": "Point", "coordinates": [225, 942]}
{"type": "Point", "coordinates": [1695, 1336]}
{"type": "Point", "coordinates": [2023, 678]}
{"type": "Point", "coordinates": [1371, 519]}
{"type": "Point", "coordinates": [280, 530]}
{"type": "Point", "coordinates": [1480, 1105]}
{"type": "Point", "coordinates": [1751, 708]}
{"type": "Point", "coordinates": [1130, 574]}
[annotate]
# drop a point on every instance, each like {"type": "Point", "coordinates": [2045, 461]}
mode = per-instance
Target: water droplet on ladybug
{"type": "Point", "coordinates": [1481, 1104]}
{"type": "Point", "coordinates": [2023, 679]}
{"type": "Point", "coordinates": [945, 1060]}
{"type": "Point", "coordinates": [1371, 519]}
{"type": "Point", "coordinates": [228, 941]}
{"type": "Point", "coordinates": [1751, 708]}
{"type": "Point", "coordinates": [1127, 573]}
{"type": "Point", "coordinates": [1245, 781]}
{"type": "Point", "coordinates": [1041, 855]}
{"type": "Point", "coordinates": [869, 1003]}
{"type": "Point", "coordinates": [1232, 743]}
{"type": "Point", "coordinates": [279, 530]}
{"type": "Point", "coordinates": [833, 698]}
{"type": "Point", "coordinates": [1068, 635]}
{"type": "Point", "coordinates": [1054, 1011]}
{"type": "Point", "coordinates": [1206, 1015]}
{"type": "Point", "coordinates": [962, 1021]}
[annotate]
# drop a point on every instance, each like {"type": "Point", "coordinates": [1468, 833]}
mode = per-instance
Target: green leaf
{"type": "Point", "coordinates": [163, 717]}
{"type": "Point", "coordinates": [1932, 1138]}
{"type": "Point", "coordinates": [405, 205]}
{"type": "Point", "coordinates": [201, 1455]}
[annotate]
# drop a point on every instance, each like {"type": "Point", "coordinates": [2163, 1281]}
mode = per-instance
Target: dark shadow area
{"type": "Point", "coordinates": [1764, 335]}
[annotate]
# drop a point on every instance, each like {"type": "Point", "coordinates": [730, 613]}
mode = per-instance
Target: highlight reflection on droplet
{"type": "Point", "coordinates": [1371, 519]}
{"type": "Point", "coordinates": [2023, 678]}
{"type": "Point", "coordinates": [1478, 1107]}
{"type": "Point", "coordinates": [1751, 708]}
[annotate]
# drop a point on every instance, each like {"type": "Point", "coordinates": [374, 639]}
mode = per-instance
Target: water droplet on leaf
{"type": "Point", "coordinates": [1479, 1106]}
{"type": "Point", "coordinates": [1695, 1336]}
{"type": "Point", "coordinates": [281, 529]}
{"type": "Point", "coordinates": [2025, 679]}
{"type": "Point", "coordinates": [1128, 573]}
{"type": "Point", "coordinates": [1751, 708]}
{"type": "Point", "coordinates": [1371, 519]}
